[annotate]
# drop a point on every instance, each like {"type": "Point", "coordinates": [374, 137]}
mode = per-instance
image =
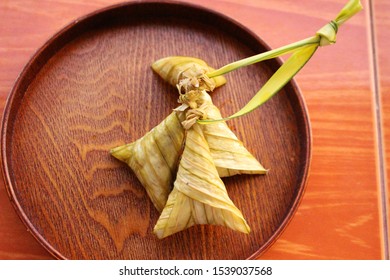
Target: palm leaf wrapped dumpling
{"type": "Point", "coordinates": [154, 158]}
{"type": "Point", "coordinates": [177, 69]}
{"type": "Point", "coordinates": [229, 154]}
{"type": "Point", "coordinates": [199, 195]}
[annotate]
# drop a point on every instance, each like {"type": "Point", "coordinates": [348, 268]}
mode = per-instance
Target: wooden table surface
{"type": "Point", "coordinates": [345, 212]}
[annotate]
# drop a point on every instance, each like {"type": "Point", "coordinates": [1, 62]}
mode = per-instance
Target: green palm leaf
{"type": "Point", "coordinates": [301, 51]}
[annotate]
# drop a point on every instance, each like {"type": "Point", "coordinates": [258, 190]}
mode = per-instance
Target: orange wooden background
{"type": "Point", "coordinates": [345, 211]}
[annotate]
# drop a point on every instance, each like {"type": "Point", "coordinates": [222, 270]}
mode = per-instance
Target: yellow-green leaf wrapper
{"type": "Point", "coordinates": [199, 195]}
{"type": "Point", "coordinates": [228, 153]}
{"type": "Point", "coordinates": [172, 68]}
{"type": "Point", "coordinates": [154, 158]}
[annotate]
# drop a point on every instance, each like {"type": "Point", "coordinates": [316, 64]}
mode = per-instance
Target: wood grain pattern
{"type": "Point", "coordinates": [91, 89]}
{"type": "Point", "coordinates": [381, 24]}
{"type": "Point", "coordinates": [339, 216]}
{"type": "Point", "coordinates": [343, 185]}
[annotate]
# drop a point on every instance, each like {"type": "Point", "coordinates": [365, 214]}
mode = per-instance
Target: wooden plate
{"type": "Point", "coordinates": [91, 88]}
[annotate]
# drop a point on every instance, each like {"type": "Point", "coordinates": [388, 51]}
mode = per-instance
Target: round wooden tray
{"type": "Point", "coordinates": [91, 88]}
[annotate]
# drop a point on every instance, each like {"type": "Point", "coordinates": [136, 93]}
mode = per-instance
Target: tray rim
{"type": "Point", "coordinates": [63, 32]}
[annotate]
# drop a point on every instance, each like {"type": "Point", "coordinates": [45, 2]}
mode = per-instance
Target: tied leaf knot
{"type": "Point", "coordinates": [328, 33]}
